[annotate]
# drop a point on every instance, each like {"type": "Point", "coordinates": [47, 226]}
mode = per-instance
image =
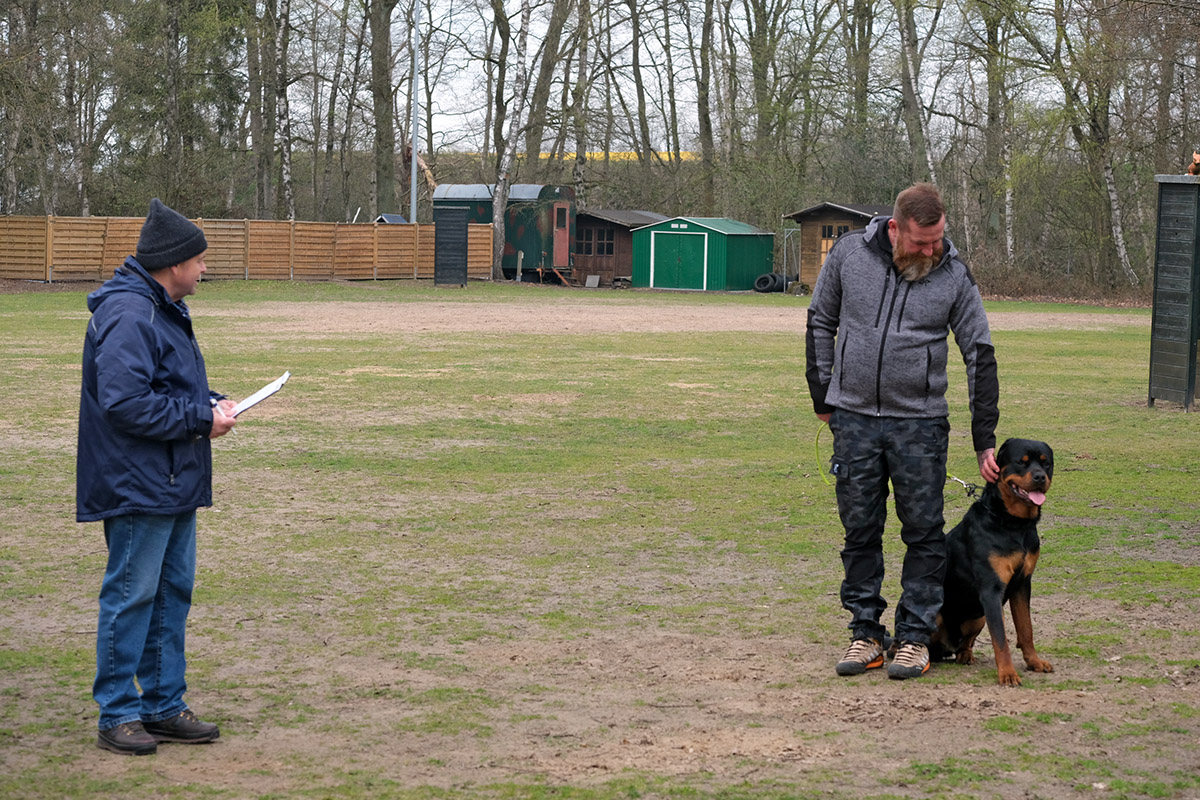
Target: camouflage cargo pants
{"type": "Point", "coordinates": [911, 453]}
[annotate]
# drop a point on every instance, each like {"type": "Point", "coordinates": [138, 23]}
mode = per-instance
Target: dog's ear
{"type": "Point", "coordinates": [1002, 456]}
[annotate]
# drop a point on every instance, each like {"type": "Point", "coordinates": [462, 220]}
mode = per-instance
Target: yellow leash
{"type": "Point", "coordinates": [817, 453]}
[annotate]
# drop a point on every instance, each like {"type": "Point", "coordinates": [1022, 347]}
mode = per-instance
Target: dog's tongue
{"type": "Point", "coordinates": [1037, 498]}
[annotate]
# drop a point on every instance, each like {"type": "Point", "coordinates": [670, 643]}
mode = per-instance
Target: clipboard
{"type": "Point", "coordinates": [262, 394]}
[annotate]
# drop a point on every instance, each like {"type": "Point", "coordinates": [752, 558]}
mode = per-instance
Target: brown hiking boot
{"type": "Point", "coordinates": [183, 727]}
{"type": "Point", "coordinates": [128, 739]}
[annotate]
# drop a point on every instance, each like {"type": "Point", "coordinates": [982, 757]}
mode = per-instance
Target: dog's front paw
{"type": "Point", "coordinates": [1038, 665]}
{"type": "Point", "coordinates": [964, 657]}
{"type": "Point", "coordinates": [1008, 677]}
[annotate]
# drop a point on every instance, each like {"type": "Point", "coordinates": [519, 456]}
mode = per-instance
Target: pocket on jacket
{"type": "Point", "coordinates": [184, 458]}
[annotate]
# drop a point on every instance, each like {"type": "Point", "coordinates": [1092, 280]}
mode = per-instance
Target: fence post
{"type": "Point", "coordinates": [246, 249]}
{"type": "Point", "coordinates": [292, 250]}
{"type": "Point", "coordinates": [200, 225]}
{"type": "Point", "coordinates": [103, 249]}
{"type": "Point", "coordinates": [49, 264]}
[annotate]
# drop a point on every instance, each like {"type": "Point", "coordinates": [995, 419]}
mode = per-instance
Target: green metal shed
{"type": "Point", "coordinates": [704, 253]}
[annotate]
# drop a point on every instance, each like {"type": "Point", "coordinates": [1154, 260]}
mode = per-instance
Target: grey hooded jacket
{"type": "Point", "coordinates": [878, 344]}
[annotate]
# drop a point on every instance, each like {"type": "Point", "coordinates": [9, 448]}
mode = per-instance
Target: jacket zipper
{"type": "Point", "coordinates": [882, 344]}
{"type": "Point", "coordinates": [887, 279]}
{"type": "Point", "coordinates": [903, 303]}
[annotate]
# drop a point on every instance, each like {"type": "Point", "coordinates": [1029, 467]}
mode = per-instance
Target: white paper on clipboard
{"type": "Point", "coordinates": [262, 394]}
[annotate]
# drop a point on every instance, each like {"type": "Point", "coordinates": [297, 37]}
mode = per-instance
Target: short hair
{"type": "Point", "coordinates": [921, 204]}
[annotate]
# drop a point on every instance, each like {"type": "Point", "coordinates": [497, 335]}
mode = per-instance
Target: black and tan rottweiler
{"type": "Point", "coordinates": [990, 557]}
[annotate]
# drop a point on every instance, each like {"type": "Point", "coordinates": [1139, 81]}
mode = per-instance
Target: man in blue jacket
{"type": "Point", "coordinates": [884, 304]}
{"type": "Point", "coordinates": [144, 466]}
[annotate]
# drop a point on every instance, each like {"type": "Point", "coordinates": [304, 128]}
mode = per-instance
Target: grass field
{"type": "Point", "coordinates": [468, 552]}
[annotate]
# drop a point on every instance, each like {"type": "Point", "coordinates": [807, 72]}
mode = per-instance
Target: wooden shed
{"type": "Point", "coordinates": [706, 253]}
{"type": "Point", "coordinates": [539, 224]}
{"type": "Point", "coordinates": [604, 242]}
{"type": "Point", "coordinates": [821, 225]}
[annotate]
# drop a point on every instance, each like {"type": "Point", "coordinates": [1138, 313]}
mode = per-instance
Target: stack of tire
{"type": "Point", "coordinates": [770, 282]}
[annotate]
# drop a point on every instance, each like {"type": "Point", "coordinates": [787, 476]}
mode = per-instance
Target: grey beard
{"type": "Point", "coordinates": [918, 270]}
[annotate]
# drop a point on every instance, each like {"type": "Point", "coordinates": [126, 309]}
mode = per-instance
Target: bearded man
{"type": "Point", "coordinates": [877, 346]}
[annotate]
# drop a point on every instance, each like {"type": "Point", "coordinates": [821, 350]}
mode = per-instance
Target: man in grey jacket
{"type": "Point", "coordinates": [877, 345]}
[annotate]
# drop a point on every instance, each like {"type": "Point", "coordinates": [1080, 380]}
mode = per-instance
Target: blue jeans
{"type": "Point", "coordinates": [144, 603]}
{"type": "Point", "coordinates": [868, 452]}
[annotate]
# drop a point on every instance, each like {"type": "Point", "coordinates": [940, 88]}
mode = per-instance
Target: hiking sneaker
{"type": "Point", "coordinates": [911, 661]}
{"type": "Point", "coordinates": [861, 655]}
{"type": "Point", "coordinates": [183, 727]}
{"type": "Point", "coordinates": [128, 739]}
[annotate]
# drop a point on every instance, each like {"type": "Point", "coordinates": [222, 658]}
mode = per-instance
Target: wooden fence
{"type": "Point", "coordinates": [91, 248]}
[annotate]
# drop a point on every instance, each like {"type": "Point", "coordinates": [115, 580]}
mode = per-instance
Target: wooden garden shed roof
{"type": "Point", "coordinates": [863, 210]}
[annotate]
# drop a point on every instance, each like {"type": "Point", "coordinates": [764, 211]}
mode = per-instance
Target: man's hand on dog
{"type": "Point", "coordinates": [988, 469]}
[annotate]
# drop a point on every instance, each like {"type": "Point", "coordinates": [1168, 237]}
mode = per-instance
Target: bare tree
{"type": "Point", "coordinates": [702, 62]}
{"type": "Point", "coordinates": [284, 124]}
{"type": "Point", "coordinates": [379, 12]}
{"type": "Point", "coordinates": [505, 147]}
{"type": "Point", "coordinates": [911, 52]}
{"type": "Point", "coordinates": [1088, 76]}
{"type": "Point", "coordinates": [579, 101]}
{"type": "Point", "coordinates": [335, 86]}
{"type": "Point", "coordinates": [643, 144]}
{"type": "Point", "coordinates": [540, 96]}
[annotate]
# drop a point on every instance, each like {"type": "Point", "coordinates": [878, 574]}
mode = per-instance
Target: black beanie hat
{"type": "Point", "coordinates": [168, 238]}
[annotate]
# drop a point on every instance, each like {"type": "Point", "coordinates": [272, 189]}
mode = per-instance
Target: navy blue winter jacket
{"type": "Point", "coordinates": [144, 409]}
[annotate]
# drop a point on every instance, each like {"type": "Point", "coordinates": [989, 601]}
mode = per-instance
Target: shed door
{"type": "Point", "coordinates": [562, 235]}
{"type": "Point", "coordinates": [678, 260]}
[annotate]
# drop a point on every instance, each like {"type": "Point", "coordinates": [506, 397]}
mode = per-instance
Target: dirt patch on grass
{"type": "Point", "coordinates": [571, 316]}
{"type": "Point", "coordinates": [570, 311]}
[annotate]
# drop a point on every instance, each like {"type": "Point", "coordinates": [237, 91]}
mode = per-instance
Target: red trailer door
{"type": "Point", "coordinates": [562, 235]}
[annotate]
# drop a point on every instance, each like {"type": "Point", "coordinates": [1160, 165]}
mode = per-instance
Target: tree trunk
{"type": "Point", "coordinates": [730, 91]}
{"type": "Point", "coordinates": [284, 124]}
{"type": "Point", "coordinates": [672, 111]}
{"type": "Point", "coordinates": [708, 154]}
{"type": "Point", "coordinates": [173, 134]}
{"type": "Point", "coordinates": [858, 20]}
{"type": "Point", "coordinates": [382, 93]}
{"type": "Point", "coordinates": [1118, 229]}
{"type": "Point", "coordinates": [1010, 245]}
{"type": "Point", "coordinates": [334, 88]}
{"type": "Point", "coordinates": [254, 109]}
{"type": "Point", "coordinates": [643, 143]}
{"type": "Point", "coordinates": [1164, 154]}
{"type": "Point", "coordinates": [503, 173]}
{"type": "Point", "coordinates": [914, 111]}
{"type": "Point", "coordinates": [345, 151]}
{"type": "Point", "coordinates": [503, 33]}
{"type": "Point", "coordinates": [765, 21]}
{"type": "Point", "coordinates": [995, 136]}
{"type": "Point", "coordinates": [540, 97]}
{"type": "Point", "coordinates": [579, 97]}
